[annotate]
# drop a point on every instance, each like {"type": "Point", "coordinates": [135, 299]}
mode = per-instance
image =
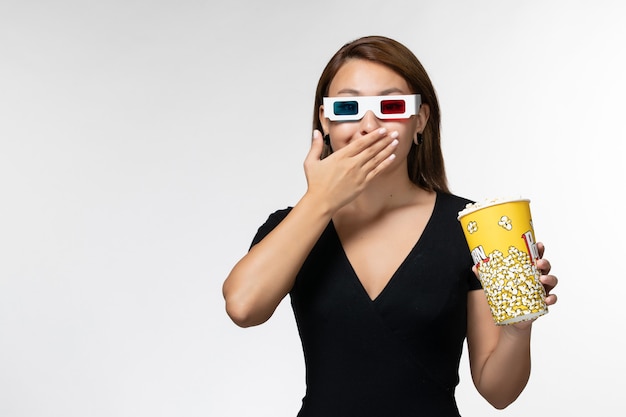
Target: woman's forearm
{"type": "Point", "coordinates": [506, 371]}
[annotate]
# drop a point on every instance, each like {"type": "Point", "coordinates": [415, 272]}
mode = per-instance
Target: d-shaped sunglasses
{"type": "Point", "coordinates": [384, 107]}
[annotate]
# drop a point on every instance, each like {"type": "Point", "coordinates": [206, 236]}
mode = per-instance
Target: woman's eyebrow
{"type": "Point", "coordinates": [391, 91]}
{"type": "Point", "coordinates": [354, 92]}
{"type": "Point", "coordinates": [349, 91]}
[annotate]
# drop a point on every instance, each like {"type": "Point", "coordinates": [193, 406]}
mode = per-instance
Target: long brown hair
{"type": "Point", "coordinates": [425, 161]}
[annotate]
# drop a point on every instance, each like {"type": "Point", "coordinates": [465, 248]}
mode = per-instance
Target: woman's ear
{"type": "Point", "coordinates": [422, 117]}
{"type": "Point", "coordinates": [323, 121]}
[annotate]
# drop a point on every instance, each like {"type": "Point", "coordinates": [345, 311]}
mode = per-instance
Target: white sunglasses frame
{"type": "Point", "coordinates": [367, 103]}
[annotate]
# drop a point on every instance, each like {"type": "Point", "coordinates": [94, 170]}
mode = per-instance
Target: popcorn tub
{"type": "Point", "coordinates": [501, 239]}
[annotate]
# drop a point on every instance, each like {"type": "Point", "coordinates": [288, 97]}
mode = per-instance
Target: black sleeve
{"type": "Point", "coordinates": [272, 221]}
{"type": "Point", "coordinates": [474, 283]}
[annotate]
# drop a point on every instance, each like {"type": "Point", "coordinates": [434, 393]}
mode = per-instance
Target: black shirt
{"type": "Point", "coordinates": [394, 356]}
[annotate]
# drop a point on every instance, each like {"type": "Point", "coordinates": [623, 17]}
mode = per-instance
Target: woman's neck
{"type": "Point", "coordinates": [384, 194]}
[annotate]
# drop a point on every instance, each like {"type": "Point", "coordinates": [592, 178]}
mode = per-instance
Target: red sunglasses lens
{"type": "Point", "coordinates": [392, 106]}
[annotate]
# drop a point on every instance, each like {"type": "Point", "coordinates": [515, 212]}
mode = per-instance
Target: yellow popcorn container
{"type": "Point", "coordinates": [501, 239]}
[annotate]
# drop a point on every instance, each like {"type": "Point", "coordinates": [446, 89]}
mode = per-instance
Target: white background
{"type": "Point", "coordinates": [143, 142]}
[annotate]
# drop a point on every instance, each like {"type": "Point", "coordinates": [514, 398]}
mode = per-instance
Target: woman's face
{"type": "Point", "coordinates": [359, 77]}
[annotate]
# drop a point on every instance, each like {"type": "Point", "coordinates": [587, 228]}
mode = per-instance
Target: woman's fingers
{"type": "Point", "coordinates": [381, 160]}
{"type": "Point", "coordinates": [317, 145]}
{"type": "Point", "coordinates": [544, 266]}
{"type": "Point", "coordinates": [373, 152]}
{"type": "Point", "coordinates": [369, 144]}
{"type": "Point", "coordinates": [541, 249]}
{"type": "Point", "coordinates": [549, 282]}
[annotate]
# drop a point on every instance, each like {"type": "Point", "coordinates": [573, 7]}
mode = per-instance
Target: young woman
{"type": "Point", "coordinates": [373, 257]}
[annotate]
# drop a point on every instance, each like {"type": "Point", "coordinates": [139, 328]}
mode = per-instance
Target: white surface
{"type": "Point", "coordinates": [130, 185]}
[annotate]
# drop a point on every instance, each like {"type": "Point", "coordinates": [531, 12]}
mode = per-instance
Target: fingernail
{"type": "Point", "coordinates": [395, 142]}
{"type": "Point", "coordinates": [394, 134]}
{"type": "Point", "coordinates": [382, 130]}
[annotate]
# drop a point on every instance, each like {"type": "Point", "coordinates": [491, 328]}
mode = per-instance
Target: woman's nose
{"type": "Point", "coordinates": [369, 123]}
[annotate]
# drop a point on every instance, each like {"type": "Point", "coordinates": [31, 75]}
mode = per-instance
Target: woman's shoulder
{"type": "Point", "coordinates": [451, 201]}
